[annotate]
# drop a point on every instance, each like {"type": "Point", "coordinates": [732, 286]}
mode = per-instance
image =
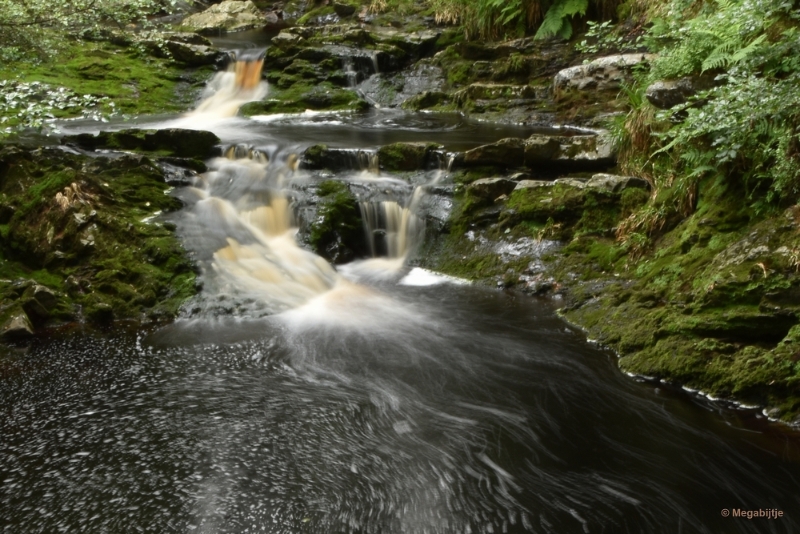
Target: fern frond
{"type": "Point", "coordinates": [556, 21]}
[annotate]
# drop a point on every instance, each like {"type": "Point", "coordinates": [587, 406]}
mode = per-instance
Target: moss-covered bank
{"type": "Point", "coordinates": [712, 304]}
{"type": "Point", "coordinates": [88, 230]}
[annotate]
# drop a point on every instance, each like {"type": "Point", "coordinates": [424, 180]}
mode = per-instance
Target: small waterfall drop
{"type": "Point", "coordinates": [391, 228]}
{"type": "Point", "coordinates": [230, 89]}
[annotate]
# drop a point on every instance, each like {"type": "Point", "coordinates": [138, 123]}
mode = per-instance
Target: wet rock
{"type": "Point", "coordinates": [531, 184]}
{"type": "Point", "coordinates": [425, 100]}
{"type": "Point", "coordinates": [194, 55]}
{"type": "Point", "coordinates": [16, 327]}
{"type": "Point", "coordinates": [101, 313]}
{"type": "Point", "coordinates": [419, 87]}
{"type": "Point", "coordinates": [286, 39]}
{"type": "Point", "coordinates": [228, 16]}
{"type": "Point", "coordinates": [405, 156]}
{"type": "Point", "coordinates": [335, 159]}
{"type": "Point", "coordinates": [666, 94]}
{"type": "Point", "coordinates": [337, 231]}
{"type": "Point", "coordinates": [490, 188]}
{"type": "Point", "coordinates": [616, 184]}
{"type": "Point", "coordinates": [415, 44]}
{"type": "Point", "coordinates": [493, 91]}
{"type": "Point", "coordinates": [343, 9]}
{"type": "Point", "coordinates": [38, 302]}
{"type": "Point", "coordinates": [577, 152]}
{"type": "Point", "coordinates": [506, 153]}
{"type": "Point", "coordinates": [175, 142]}
{"type": "Point", "coordinates": [602, 74]}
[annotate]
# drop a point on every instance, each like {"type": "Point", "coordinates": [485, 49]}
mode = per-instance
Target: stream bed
{"type": "Point", "coordinates": [370, 398]}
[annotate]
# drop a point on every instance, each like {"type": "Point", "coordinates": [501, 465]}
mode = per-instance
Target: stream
{"type": "Point", "coordinates": [299, 397]}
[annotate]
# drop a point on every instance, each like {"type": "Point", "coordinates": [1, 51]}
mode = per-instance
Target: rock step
{"type": "Point", "coordinates": [543, 152]}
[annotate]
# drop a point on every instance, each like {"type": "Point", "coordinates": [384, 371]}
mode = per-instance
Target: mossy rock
{"type": "Point", "coordinates": [323, 97]}
{"type": "Point", "coordinates": [174, 142]}
{"type": "Point", "coordinates": [337, 234]}
{"type": "Point", "coordinates": [81, 238]}
{"type": "Point", "coordinates": [405, 156]}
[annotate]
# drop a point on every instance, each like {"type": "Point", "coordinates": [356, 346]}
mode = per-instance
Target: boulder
{"type": "Point", "coordinates": [17, 326]}
{"type": "Point", "coordinates": [286, 39]}
{"type": "Point", "coordinates": [613, 183]}
{"type": "Point", "coordinates": [505, 153]}
{"type": "Point", "coordinates": [490, 188]}
{"type": "Point", "coordinates": [575, 152]}
{"type": "Point", "coordinates": [38, 302]}
{"type": "Point", "coordinates": [229, 16]}
{"type": "Point", "coordinates": [666, 94]}
{"type": "Point", "coordinates": [194, 55]}
{"type": "Point", "coordinates": [602, 74]}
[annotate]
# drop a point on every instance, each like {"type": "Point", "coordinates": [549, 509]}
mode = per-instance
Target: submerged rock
{"type": "Point", "coordinates": [228, 16]}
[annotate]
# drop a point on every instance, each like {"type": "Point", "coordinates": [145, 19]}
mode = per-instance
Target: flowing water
{"type": "Point", "coordinates": [295, 397]}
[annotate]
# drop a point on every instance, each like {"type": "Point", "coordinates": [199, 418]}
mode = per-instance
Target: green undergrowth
{"type": "Point", "coordinates": [88, 229]}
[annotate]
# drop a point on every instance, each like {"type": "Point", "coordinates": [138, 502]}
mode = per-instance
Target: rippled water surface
{"type": "Point", "coordinates": [460, 410]}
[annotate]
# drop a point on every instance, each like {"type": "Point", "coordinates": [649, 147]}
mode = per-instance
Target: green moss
{"type": "Point", "coordinates": [93, 244]}
{"type": "Point", "coordinates": [405, 156]}
{"type": "Point", "coordinates": [300, 97]}
{"type": "Point", "coordinates": [136, 84]}
{"type": "Point", "coordinates": [337, 233]}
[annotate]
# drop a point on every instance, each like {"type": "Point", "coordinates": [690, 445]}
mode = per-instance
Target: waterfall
{"type": "Point", "coordinates": [230, 89]}
{"type": "Point", "coordinates": [392, 229]}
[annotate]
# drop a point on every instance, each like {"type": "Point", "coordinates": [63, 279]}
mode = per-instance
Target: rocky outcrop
{"type": "Point", "coordinates": [575, 152]}
{"type": "Point", "coordinates": [490, 189]}
{"type": "Point", "coordinates": [666, 94]}
{"type": "Point", "coordinates": [602, 74]}
{"type": "Point", "coordinates": [545, 152]}
{"type": "Point", "coordinates": [506, 153]}
{"type": "Point", "coordinates": [174, 142]}
{"type": "Point", "coordinates": [228, 16]}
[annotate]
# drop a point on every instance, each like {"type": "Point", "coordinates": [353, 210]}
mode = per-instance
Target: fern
{"type": "Point", "coordinates": [730, 52]}
{"type": "Point", "coordinates": [556, 20]}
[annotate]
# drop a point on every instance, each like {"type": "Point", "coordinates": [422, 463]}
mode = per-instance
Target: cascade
{"type": "Point", "coordinates": [229, 89]}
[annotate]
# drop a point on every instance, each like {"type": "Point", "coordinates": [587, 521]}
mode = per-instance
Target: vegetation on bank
{"type": "Point", "coordinates": [85, 229]}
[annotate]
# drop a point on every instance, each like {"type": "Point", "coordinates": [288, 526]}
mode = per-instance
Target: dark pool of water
{"type": "Point", "coordinates": [370, 129]}
{"type": "Point", "coordinates": [454, 410]}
